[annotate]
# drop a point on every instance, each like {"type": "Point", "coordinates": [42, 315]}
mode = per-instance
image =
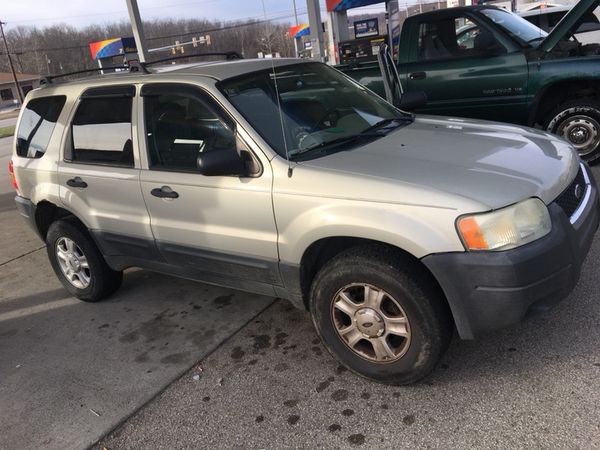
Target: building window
{"type": "Point", "coordinates": [26, 88]}
{"type": "Point", "coordinates": [6, 94]}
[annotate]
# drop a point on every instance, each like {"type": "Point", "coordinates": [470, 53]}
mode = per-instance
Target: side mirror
{"type": "Point", "coordinates": [226, 163]}
{"type": "Point", "coordinates": [409, 101]}
{"type": "Point", "coordinates": [221, 163]}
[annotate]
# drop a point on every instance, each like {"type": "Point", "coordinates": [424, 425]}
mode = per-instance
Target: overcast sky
{"type": "Point", "coordinates": [85, 12]}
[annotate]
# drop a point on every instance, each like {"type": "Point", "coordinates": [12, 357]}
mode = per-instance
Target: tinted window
{"type": "Point", "coordinates": [101, 131]}
{"type": "Point", "coordinates": [6, 94]}
{"type": "Point", "coordinates": [520, 29]}
{"type": "Point", "coordinates": [455, 37]}
{"type": "Point", "coordinates": [179, 127]}
{"type": "Point", "coordinates": [37, 124]}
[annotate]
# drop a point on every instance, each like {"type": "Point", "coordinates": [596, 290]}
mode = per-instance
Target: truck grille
{"type": "Point", "coordinates": [572, 197]}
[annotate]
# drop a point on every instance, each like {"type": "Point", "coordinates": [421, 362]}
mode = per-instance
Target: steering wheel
{"type": "Point", "coordinates": [332, 115]}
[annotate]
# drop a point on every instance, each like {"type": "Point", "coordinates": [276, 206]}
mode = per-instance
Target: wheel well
{"type": "Point", "coordinates": [47, 213]}
{"type": "Point", "coordinates": [557, 93]}
{"type": "Point", "coordinates": [322, 251]}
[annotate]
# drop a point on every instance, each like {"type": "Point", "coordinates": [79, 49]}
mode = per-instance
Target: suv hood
{"type": "Point", "coordinates": [568, 22]}
{"type": "Point", "coordinates": [490, 163]}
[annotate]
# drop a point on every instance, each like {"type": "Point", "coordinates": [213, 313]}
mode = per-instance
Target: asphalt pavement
{"type": "Point", "coordinates": [70, 371]}
{"type": "Point", "coordinates": [168, 363]}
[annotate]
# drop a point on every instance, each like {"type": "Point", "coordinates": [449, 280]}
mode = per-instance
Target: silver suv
{"type": "Point", "coordinates": [289, 179]}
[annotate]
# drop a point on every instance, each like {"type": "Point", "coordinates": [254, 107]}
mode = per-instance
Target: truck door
{"type": "Point", "coordinates": [467, 69]}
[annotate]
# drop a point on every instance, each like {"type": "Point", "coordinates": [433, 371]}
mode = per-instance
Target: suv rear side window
{"type": "Point", "coordinates": [37, 124]}
{"type": "Point", "coordinates": [101, 132]}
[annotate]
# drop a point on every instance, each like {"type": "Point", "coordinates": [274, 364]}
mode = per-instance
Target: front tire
{"type": "Point", "coordinates": [578, 121]}
{"type": "Point", "coordinates": [380, 315]}
{"type": "Point", "coordinates": [78, 263]}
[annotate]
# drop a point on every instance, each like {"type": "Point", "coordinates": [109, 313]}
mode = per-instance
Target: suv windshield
{"type": "Point", "coordinates": [320, 108]}
{"type": "Point", "coordinates": [517, 27]}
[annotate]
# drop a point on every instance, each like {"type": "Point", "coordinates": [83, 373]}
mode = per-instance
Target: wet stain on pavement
{"type": "Point", "coordinates": [356, 439]}
{"type": "Point", "coordinates": [237, 353]}
{"type": "Point", "coordinates": [293, 419]}
{"type": "Point", "coordinates": [340, 370]}
{"type": "Point", "coordinates": [175, 358]}
{"type": "Point", "coordinates": [365, 396]}
{"type": "Point", "coordinates": [291, 403]}
{"type": "Point", "coordinates": [142, 358]}
{"type": "Point", "coordinates": [323, 385]}
{"type": "Point", "coordinates": [223, 301]}
{"type": "Point", "coordinates": [279, 339]}
{"type": "Point", "coordinates": [259, 419]}
{"type": "Point", "coordinates": [348, 412]}
{"type": "Point", "coordinates": [408, 420]}
{"type": "Point", "coordinates": [334, 427]}
{"type": "Point", "coordinates": [281, 367]}
{"type": "Point", "coordinates": [152, 330]}
{"type": "Point", "coordinates": [340, 395]}
{"type": "Point", "coordinates": [261, 342]}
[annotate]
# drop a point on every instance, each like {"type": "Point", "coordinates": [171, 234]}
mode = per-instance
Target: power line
{"type": "Point", "coordinates": [253, 22]}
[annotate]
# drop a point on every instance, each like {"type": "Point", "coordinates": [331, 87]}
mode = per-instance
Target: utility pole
{"type": "Point", "coordinates": [138, 29]}
{"type": "Point", "coordinates": [10, 63]}
{"type": "Point", "coordinates": [296, 40]}
{"type": "Point", "coordinates": [316, 29]}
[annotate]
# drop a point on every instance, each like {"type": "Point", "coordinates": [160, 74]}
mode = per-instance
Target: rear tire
{"type": "Point", "coordinates": [578, 121]}
{"type": "Point", "coordinates": [398, 342]}
{"type": "Point", "coordinates": [78, 263]}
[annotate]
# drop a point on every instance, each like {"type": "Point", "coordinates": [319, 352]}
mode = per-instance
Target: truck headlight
{"type": "Point", "coordinates": [505, 228]}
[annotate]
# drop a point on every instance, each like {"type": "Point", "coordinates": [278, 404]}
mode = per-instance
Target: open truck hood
{"type": "Point", "coordinates": [569, 22]}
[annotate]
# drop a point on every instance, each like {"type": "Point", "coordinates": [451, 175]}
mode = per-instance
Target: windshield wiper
{"type": "Point", "coordinates": [369, 132]}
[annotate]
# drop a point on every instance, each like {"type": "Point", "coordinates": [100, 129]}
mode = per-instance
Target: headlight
{"type": "Point", "coordinates": [505, 228]}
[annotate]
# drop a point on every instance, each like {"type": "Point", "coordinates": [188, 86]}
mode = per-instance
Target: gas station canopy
{"type": "Point", "coordinates": [342, 5]}
{"type": "Point", "coordinates": [112, 47]}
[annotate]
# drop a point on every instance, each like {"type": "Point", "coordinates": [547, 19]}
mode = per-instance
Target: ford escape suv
{"type": "Point", "coordinates": [289, 179]}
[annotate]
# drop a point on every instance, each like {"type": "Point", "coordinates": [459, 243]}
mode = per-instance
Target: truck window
{"type": "Point", "coordinates": [37, 124]}
{"type": "Point", "coordinates": [101, 132]}
{"type": "Point", "coordinates": [453, 38]}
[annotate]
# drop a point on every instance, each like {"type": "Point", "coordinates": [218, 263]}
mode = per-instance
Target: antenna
{"type": "Point", "coordinates": [285, 144]}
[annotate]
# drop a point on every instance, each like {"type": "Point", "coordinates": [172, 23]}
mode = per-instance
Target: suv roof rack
{"type": "Point", "coordinates": [229, 56]}
{"type": "Point", "coordinates": [49, 78]}
{"type": "Point", "coordinates": [140, 66]}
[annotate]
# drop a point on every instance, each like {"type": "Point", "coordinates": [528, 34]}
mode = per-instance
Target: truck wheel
{"type": "Point", "coordinates": [578, 121]}
{"type": "Point", "coordinates": [380, 316]}
{"type": "Point", "coordinates": [78, 263]}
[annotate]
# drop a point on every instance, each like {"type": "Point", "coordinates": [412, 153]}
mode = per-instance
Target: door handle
{"type": "Point", "coordinates": [164, 192]}
{"type": "Point", "coordinates": [77, 182]}
{"type": "Point", "coordinates": [417, 76]}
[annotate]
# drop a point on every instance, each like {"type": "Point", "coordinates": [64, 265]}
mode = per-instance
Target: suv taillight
{"type": "Point", "coordinates": [11, 171]}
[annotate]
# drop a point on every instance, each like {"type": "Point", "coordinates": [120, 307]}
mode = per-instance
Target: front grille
{"type": "Point", "coordinates": [572, 197]}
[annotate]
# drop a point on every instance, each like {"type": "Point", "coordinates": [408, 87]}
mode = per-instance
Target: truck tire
{"type": "Point", "coordinates": [380, 315]}
{"type": "Point", "coordinates": [578, 121]}
{"type": "Point", "coordinates": [78, 263]}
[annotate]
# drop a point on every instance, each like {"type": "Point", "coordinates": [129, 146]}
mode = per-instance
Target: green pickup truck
{"type": "Point", "coordinates": [506, 70]}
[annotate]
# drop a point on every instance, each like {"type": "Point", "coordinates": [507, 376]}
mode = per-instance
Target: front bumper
{"type": "Point", "coordinates": [491, 290]}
